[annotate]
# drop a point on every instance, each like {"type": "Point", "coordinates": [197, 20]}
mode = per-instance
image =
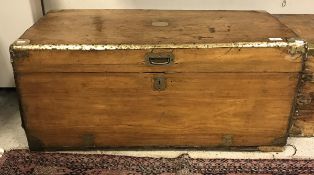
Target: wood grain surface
{"type": "Point", "coordinates": [185, 60]}
{"type": "Point", "coordinates": [137, 27]}
{"type": "Point", "coordinates": [304, 120]}
{"type": "Point", "coordinates": [122, 109]}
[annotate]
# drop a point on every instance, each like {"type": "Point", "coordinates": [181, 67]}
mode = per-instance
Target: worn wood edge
{"type": "Point", "coordinates": [22, 113]}
{"type": "Point", "coordinates": [143, 148]}
{"type": "Point", "coordinates": [295, 105]}
{"type": "Point", "coordinates": [36, 145]}
{"type": "Point", "coordinates": [303, 97]}
{"type": "Point", "coordinates": [19, 96]}
{"type": "Point", "coordinates": [306, 77]}
{"type": "Point", "coordinates": [304, 117]}
{"type": "Point", "coordinates": [33, 142]}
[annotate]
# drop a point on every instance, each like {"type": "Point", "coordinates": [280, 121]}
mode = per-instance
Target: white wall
{"type": "Point", "coordinates": [15, 17]}
{"type": "Point", "coordinates": [272, 6]}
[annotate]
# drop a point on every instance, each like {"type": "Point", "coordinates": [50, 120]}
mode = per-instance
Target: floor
{"type": "Point", "coordinates": [12, 136]}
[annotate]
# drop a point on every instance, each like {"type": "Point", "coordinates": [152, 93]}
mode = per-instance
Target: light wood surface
{"type": "Point", "coordinates": [185, 60]}
{"type": "Point", "coordinates": [122, 109]}
{"type": "Point", "coordinates": [303, 125]}
{"type": "Point", "coordinates": [136, 27]}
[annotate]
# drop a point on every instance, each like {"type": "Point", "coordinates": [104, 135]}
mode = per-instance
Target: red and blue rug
{"type": "Point", "coordinates": [22, 162]}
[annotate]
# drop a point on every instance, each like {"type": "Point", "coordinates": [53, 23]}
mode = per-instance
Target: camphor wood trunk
{"type": "Point", "coordinates": [149, 78]}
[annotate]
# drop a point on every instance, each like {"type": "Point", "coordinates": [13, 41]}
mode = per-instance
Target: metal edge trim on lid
{"type": "Point", "coordinates": [20, 45]}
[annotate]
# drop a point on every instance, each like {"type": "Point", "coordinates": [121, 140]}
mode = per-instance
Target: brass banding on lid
{"type": "Point", "coordinates": [295, 43]}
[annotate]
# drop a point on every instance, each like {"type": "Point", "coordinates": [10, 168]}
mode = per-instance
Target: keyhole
{"type": "Point", "coordinates": [159, 83]}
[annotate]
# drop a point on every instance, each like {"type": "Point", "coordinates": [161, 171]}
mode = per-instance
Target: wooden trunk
{"type": "Point", "coordinates": [148, 78]}
{"type": "Point", "coordinates": [303, 121]}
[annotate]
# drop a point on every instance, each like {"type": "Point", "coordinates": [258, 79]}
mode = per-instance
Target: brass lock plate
{"type": "Point", "coordinates": [159, 83]}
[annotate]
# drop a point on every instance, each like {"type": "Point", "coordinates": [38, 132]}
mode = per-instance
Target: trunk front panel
{"type": "Point", "coordinates": [125, 109]}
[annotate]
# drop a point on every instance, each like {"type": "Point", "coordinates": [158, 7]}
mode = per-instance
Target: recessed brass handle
{"type": "Point", "coordinates": [159, 59]}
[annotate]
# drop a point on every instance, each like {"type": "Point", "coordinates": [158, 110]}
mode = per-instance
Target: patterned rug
{"type": "Point", "coordinates": [35, 163]}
